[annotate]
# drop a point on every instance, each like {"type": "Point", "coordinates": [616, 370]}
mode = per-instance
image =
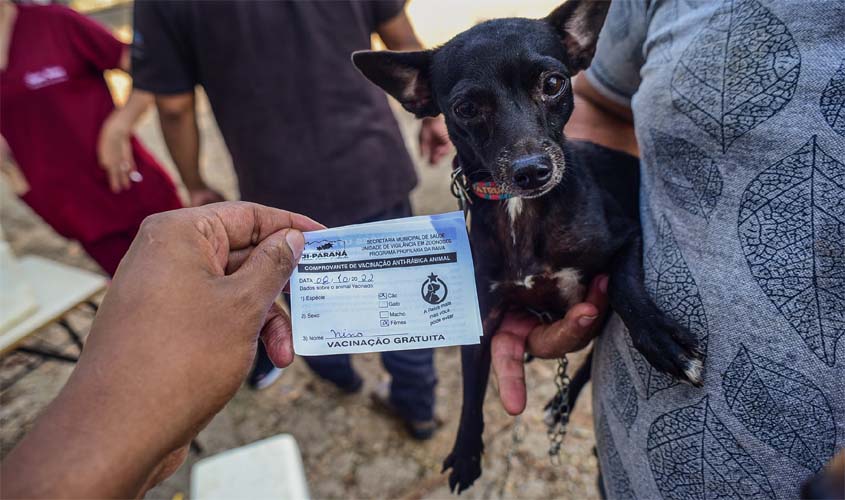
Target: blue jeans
{"type": "Point", "coordinates": [412, 372]}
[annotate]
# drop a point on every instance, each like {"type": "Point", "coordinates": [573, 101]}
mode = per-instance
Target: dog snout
{"type": "Point", "coordinates": [531, 172]}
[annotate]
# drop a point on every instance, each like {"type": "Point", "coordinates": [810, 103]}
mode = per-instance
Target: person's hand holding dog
{"type": "Point", "coordinates": [519, 334]}
{"type": "Point", "coordinates": [173, 339]}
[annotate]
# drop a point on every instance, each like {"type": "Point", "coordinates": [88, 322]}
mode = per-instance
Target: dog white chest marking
{"type": "Point", "coordinates": [526, 282]}
{"type": "Point", "coordinates": [514, 206]}
{"type": "Point", "coordinates": [569, 283]}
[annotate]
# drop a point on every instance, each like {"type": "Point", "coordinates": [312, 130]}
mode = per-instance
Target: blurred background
{"type": "Point", "coordinates": [349, 450]}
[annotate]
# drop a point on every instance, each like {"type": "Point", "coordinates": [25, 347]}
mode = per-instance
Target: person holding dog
{"type": "Point", "coordinates": [306, 132]}
{"type": "Point", "coordinates": [736, 111]}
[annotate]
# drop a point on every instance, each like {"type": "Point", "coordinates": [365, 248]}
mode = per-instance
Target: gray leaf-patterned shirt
{"type": "Point", "coordinates": [739, 110]}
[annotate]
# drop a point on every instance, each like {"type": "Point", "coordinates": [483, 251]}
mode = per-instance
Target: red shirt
{"type": "Point", "coordinates": [53, 102]}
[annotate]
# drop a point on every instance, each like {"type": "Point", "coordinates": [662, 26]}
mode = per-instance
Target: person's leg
{"type": "Point", "coordinates": [412, 384]}
{"type": "Point", "coordinates": [413, 377]}
{"type": "Point", "coordinates": [337, 369]}
{"type": "Point", "coordinates": [264, 372]}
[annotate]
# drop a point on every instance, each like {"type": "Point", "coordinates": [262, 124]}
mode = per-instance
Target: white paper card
{"type": "Point", "coordinates": [385, 286]}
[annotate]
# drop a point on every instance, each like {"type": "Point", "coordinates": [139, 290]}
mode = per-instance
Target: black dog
{"type": "Point", "coordinates": [569, 209]}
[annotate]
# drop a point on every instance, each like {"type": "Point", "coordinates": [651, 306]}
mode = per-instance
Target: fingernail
{"type": "Point", "coordinates": [586, 320]}
{"type": "Point", "coordinates": [603, 284]}
{"type": "Point", "coordinates": [296, 242]}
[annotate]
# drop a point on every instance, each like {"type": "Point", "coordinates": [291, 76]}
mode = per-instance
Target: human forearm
{"type": "Point", "coordinates": [123, 119]}
{"type": "Point", "coordinates": [114, 149]}
{"type": "Point", "coordinates": [600, 120]}
{"type": "Point", "coordinates": [398, 34]}
{"type": "Point", "coordinates": [159, 363]}
{"type": "Point", "coordinates": [177, 115]}
{"type": "Point", "coordinates": [82, 447]}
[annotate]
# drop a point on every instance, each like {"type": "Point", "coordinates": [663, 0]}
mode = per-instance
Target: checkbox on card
{"type": "Point", "coordinates": [383, 314]}
{"type": "Point", "coordinates": [384, 322]}
{"type": "Point", "coordinates": [382, 304]}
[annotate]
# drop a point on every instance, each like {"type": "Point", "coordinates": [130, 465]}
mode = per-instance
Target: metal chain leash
{"type": "Point", "coordinates": [557, 416]}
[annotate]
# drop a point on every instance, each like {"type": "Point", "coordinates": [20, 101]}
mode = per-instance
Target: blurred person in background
{"type": "Point", "coordinates": [305, 131]}
{"type": "Point", "coordinates": [67, 152]}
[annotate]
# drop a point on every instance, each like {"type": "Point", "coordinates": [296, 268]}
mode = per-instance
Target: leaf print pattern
{"type": "Point", "coordinates": [833, 101]}
{"type": "Point", "coordinates": [792, 230]}
{"type": "Point", "coordinates": [692, 180]}
{"type": "Point", "coordinates": [671, 285]}
{"type": "Point", "coordinates": [738, 72]}
{"type": "Point", "coordinates": [624, 400]}
{"type": "Point", "coordinates": [781, 407]}
{"type": "Point", "coordinates": [614, 476]}
{"type": "Point", "coordinates": [693, 455]}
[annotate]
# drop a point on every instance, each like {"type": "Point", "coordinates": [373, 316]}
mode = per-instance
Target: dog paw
{"type": "Point", "coordinates": [670, 348]}
{"type": "Point", "coordinates": [465, 470]}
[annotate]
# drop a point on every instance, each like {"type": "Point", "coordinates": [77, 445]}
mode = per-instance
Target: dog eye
{"type": "Point", "coordinates": [553, 84]}
{"type": "Point", "coordinates": [466, 110]}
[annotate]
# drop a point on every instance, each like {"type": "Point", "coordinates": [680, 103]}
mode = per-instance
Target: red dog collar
{"type": "Point", "coordinates": [489, 190]}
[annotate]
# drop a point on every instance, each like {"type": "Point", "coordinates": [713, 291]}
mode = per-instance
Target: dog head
{"type": "Point", "coordinates": [504, 87]}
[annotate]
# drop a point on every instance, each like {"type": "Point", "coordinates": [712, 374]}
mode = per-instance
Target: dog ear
{"type": "Point", "coordinates": [578, 22]}
{"type": "Point", "coordinates": [404, 75]}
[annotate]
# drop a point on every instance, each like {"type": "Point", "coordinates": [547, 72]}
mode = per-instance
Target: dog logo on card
{"type": "Point", "coordinates": [325, 249]}
{"type": "Point", "coordinates": [434, 290]}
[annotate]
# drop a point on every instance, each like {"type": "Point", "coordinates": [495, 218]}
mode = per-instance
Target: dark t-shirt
{"type": "Point", "coordinates": [306, 131]}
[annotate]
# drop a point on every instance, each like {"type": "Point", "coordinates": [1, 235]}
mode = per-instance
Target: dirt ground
{"type": "Point", "coordinates": [349, 449]}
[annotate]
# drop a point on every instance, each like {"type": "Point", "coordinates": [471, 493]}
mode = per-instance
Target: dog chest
{"type": "Point", "coordinates": [551, 291]}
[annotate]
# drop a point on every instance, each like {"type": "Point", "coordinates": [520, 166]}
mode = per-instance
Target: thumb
{"type": "Point", "coordinates": [271, 263]}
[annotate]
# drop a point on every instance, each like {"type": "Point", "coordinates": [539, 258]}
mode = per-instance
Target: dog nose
{"type": "Point", "coordinates": [532, 171]}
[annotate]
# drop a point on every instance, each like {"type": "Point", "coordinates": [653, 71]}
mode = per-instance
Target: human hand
{"type": "Point", "coordinates": [434, 139]}
{"type": "Point", "coordinates": [114, 152]}
{"type": "Point", "coordinates": [203, 283]}
{"type": "Point", "coordinates": [173, 340]}
{"type": "Point", "coordinates": [203, 195]}
{"type": "Point", "coordinates": [519, 334]}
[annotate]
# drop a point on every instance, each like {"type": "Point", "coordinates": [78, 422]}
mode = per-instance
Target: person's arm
{"type": "Point", "coordinates": [114, 147]}
{"type": "Point", "coordinates": [164, 62]}
{"type": "Point", "coordinates": [115, 429]}
{"type": "Point", "coordinates": [601, 120]}
{"type": "Point", "coordinates": [397, 33]}
{"type": "Point", "coordinates": [177, 115]}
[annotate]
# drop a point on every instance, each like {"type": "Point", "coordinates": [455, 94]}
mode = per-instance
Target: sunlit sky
{"type": "Point", "coordinates": [436, 21]}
